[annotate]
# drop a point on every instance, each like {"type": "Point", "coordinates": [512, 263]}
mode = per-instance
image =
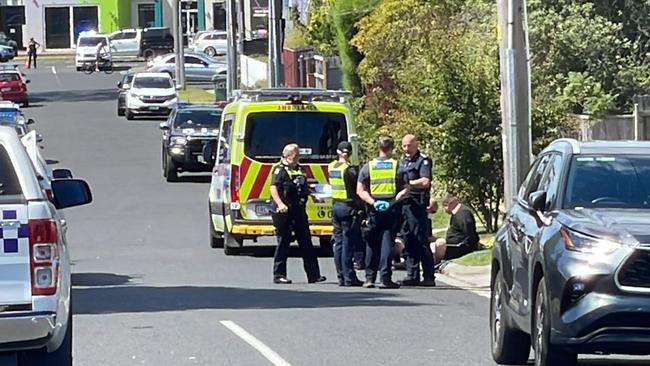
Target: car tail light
{"type": "Point", "coordinates": [234, 183]}
{"type": "Point", "coordinates": [44, 256]}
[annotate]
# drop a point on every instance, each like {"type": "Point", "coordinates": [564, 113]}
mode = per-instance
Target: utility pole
{"type": "Point", "coordinates": [177, 29]}
{"type": "Point", "coordinates": [231, 83]}
{"type": "Point", "coordinates": [515, 94]}
{"type": "Point", "coordinates": [275, 43]}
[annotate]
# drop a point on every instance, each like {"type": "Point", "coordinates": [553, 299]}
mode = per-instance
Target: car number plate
{"type": "Point", "coordinates": [6, 89]}
{"type": "Point", "coordinates": [154, 108]}
{"type": "Point", "coordinates": [262, 210]}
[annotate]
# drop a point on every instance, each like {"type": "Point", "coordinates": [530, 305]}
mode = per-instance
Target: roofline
{"type": "Point", "coordinates": [575, 145]}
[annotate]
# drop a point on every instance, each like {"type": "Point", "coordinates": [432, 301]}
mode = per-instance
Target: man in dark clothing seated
{"type": "Point", "coordinates": [461, 236]}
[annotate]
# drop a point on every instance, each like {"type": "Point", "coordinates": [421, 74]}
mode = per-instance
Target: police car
{"type": "Point", "coordinates": [185, 134]}
{"type": "Point", "coordinates": [35, 314]}
{"type": "Point", "coordinates": [254, 129]}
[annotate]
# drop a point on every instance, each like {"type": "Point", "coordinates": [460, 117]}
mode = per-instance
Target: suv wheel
{"type": "Point", "coordinates": [171, 171]}
{"type": "Point", "coordinates": [232, 243]}
{"type": "Point", "coordinates": [509, 345]}
{"type": "Point", "coordinates": [129, 114]}
{"type": "Point", "coordinates": [545, 353]}
{"type": "Point", "coordinates": [120, 110]}
{"type": "Point", "coordinates": [210, 51]}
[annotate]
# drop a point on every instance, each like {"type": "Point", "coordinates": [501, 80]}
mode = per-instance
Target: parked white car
{"type": "Point", "coordinates": [126, 42]}
{"type": "Point", "coordinates": [35, 280]}
{"type": "Point", "coordinates": [87, 48]}
{"type": "Point", "coordinates": [212, 43]}
{"type": "Point", "coordinates": [152, 93]}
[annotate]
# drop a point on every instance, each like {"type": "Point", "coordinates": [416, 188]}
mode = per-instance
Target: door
{"type": "Point", "coordinates": [15, 288]}
{"type": "Point", "coordinates": [189, 19]}
{"type": "Point", "coordinates": [222, 173]}
{"type": "Point", "coordinates": [219, 16]}
{"type": "Point", "coordinates": [525, 231]}
{"type": "Point", "coordinates": [125, 42]}
{"type": "Point", "coordinates": [57, 27]}
{"type": "Point", "coordinates": [196, 69]}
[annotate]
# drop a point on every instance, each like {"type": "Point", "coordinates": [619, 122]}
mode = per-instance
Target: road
{"type": "Point", "coordinates": [149, 290]}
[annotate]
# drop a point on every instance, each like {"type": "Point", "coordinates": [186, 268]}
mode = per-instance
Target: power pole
{"type": "Point", "coordinates": [177, 29]}
{"type": "Point", "coordinates": [515, 94]}
{"type": "Point", "coordinates": [231, 13]}
{"type": "Point", "coordinates": [275, 43]}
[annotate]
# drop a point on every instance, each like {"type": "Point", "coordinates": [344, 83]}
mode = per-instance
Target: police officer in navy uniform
{"type": "Point", "coordinates": [346, 205]}
{"type": "Point", "coordinates": [289, 191]}
{"type": "Point", "coordinates": [415, 225]}
{"type": "Point", "coordinates": [382, 185]}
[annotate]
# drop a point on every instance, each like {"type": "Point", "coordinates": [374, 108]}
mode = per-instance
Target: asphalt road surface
{"type": "Point", "coordinates": [149, 290]}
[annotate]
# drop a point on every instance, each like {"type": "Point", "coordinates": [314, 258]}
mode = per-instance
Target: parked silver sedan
{"type": "Point", "coordinates": [198, 66]}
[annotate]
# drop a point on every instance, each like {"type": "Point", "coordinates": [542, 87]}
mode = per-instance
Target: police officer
{"type": "Point", "coordinates": [343, 178]}
{"type": "Point", "coordinates": [290, 192]}
{"type": "Point", "coordinates": [415, 225]}
{"type": "Point", "coordinates": [382, 185]}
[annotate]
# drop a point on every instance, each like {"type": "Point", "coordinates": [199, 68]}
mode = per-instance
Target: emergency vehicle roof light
{"type": "Point", "coordinates": [293, 95]}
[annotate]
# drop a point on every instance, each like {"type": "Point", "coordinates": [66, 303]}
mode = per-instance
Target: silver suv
{"type": "Point", "coordinates": [35, 314]}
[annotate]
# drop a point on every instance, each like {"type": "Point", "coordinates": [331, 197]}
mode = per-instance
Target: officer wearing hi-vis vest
{"type": "Point", "coordinates": [289, 191]}
{"type": "Point", "coordinates": [382, 185]}
{"type": "Point", "coordinates": [417, 167]}
{"type": "Point", "coordinates": [345, 209]}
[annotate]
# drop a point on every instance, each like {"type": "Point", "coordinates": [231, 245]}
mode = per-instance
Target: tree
{"type": "Point", "coordinates": [431, 68]}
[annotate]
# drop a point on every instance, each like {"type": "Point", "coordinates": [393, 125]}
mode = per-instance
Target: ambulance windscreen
{"type": "Point", "coordinates": [317, 133]}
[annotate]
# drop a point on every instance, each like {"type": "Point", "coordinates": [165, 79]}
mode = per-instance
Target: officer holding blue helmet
{"type": "Point", "coordinates": [382, 185]}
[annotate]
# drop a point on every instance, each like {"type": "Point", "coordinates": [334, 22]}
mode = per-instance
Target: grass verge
{"type": "Point", "coordinates": [195, 95]}
{"type": "Point", "coordinates": [478, 258]}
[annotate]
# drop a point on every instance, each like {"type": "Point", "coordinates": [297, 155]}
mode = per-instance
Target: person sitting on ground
{"type": "Point", "coordinates": [461, 238]}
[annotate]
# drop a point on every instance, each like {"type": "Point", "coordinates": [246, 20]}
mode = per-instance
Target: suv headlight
{"type": "Point", "coordinates": [178, 140]}
{"type": "Point", "coordinates": [583, 243]}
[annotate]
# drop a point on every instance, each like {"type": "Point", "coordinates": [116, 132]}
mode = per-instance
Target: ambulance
{"type": "Point", "coordinates": [255, 127]}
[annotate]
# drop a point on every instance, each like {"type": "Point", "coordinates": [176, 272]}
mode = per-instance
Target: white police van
{"type": "Point", "coordinates": [35, 311]}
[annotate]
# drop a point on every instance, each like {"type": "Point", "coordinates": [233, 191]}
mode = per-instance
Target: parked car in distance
{"type": "Point", "coordinates": [123, 88]}
{"type": "Point", "coordinates": [7, 53]}
{"type": "Point", "coordinates": [13, 87]}
{"type": "Point", "coordinates": [213, 43]}
{"type": "Point", "coordinates": [126, 42]}
{"type": "Point", "coordinates": [571, 263]}
{"type": "Point", "coordinates": [150, 94]}
{"type": "Point", "coordinates": [198, 66]}
{"type": "Point", "coordinates": [9, 42]}
{"type": "Point", "coordinates": [154, 42]}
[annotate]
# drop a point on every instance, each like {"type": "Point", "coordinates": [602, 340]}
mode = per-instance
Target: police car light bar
{"type": "Point", "coordinates": [9, 66]}
{"type": "Point", "coordinates": [293, 94]}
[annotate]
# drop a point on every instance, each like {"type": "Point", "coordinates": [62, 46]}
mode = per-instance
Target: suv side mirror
{"type": "Point", "coordinates": [70, 193]}
{"type": "Point", "coordinates": [126, 86]}
{"type": "Point", "coordinates": [27, 81]}
{"type": "Point", "coordinates": [39, 137]}
{"type": "Point", "coordinates": [537, 201]}
{"type": "Point", "coordinates": [30, 121]}
{"type": "Point", "coordinates": [164, 126]}
{"type": "Point", "coordinates": [62, 174]}
{"type": "Point", "coordinates": [119, 85]}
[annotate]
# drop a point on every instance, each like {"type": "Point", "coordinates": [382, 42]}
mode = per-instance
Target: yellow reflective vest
{"type": "Point", "coordinates": [336, 173]}
{"type": "Point", "coordinates": [383, 176]}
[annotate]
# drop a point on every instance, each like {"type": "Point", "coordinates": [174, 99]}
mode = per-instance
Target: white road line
{"type": "Point", "coordinates": [53, 70]}
{"type": "Point", "coordinates": [260, 347]}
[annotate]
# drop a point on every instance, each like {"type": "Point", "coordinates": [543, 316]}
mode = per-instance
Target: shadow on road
{"type": "Point", "coordinates": [99, 95]}
{"type": "Point", "coordinates": [268, 251]}
{"type": "Point", "coordinates": [141, 299]}
{"type": "Point", "coordinates": [194, 179]}
{"type": "Point", "coordinates": [604, 361]}
{"type": "Point", "coordinates": [99, 279]}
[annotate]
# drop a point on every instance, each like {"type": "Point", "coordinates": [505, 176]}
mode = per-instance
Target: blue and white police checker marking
{"type": "Point", "coordinates": [14, 232]}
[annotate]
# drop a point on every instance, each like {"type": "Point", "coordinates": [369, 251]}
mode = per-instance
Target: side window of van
{"type": "Point", "coordinates": [225, 134]}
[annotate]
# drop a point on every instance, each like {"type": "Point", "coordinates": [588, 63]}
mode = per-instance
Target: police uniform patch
{"type": "Point", "coordinates": [277, 171]}
{"type": "Point", "coordinates": [426, 162]}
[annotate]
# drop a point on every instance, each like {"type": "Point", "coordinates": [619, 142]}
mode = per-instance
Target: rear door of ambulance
{"type": "Point", "coordinates": [268, 127]}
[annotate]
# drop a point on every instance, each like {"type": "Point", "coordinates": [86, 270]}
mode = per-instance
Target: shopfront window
{"type": "Point", "coordinates": [57, 27]}
{"type": "Point", "coordinates": [146, 15]}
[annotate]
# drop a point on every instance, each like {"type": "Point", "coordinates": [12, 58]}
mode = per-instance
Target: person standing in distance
{"type": "Point", "coordinates": [289, 191]}
{"type": "Point", "coordinates": [343, 178]}
{"type": "Point", "coordinates": [32, 46]}
{"type": "Point", "coordinates": [417, 167]}
{"type": "Point", "coordinates": [382, 185]}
